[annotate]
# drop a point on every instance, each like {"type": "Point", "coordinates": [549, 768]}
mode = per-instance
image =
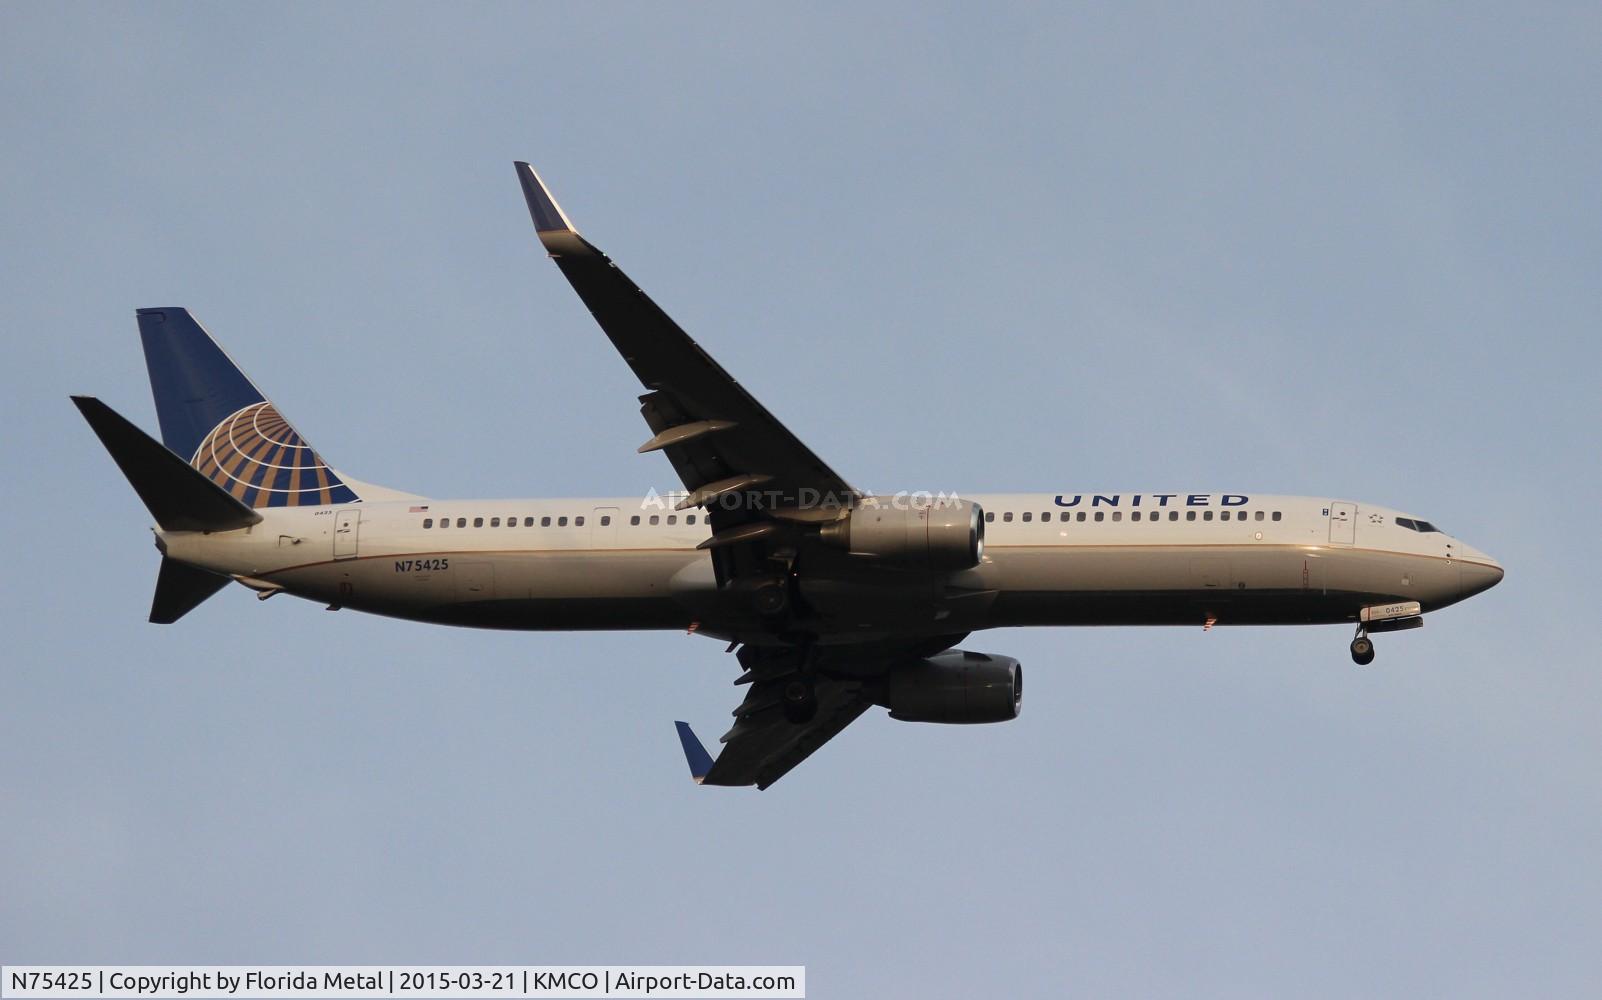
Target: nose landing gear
{"type": "Point", "coordinates": [1397, 617]}
{"type": "Point", "coordinates": [1362, 648]}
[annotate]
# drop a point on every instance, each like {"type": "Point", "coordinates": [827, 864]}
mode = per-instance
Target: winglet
{"type": "Point", "coordinates": [694, 753]}
{"type": "Point", "coordinates": [548, 215]}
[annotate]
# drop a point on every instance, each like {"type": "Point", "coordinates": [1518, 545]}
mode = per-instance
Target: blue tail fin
{"type": "Point", "coordinates": [214, 418]}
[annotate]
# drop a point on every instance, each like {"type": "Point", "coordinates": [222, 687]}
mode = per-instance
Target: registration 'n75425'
{"type": "Point", "coordinates": [421, 565]}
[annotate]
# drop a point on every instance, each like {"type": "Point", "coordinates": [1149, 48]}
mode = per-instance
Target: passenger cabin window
{"type": "Point", "coordinates": [1028, 515]}
{"type": "Point", "coordinates": [635, 519]}
{"type": "Point", "coordinates": [1080, 517]}
{"type": "Point", "coordinates": [528, 522]}
{"type": "Point", "coordinates": [461, 522]}
{"type": "Point", "coordinates": [1007, 517]}
{"type": "Point", "coordinates": [689, 519]}
{"type": "Point", "coordinates": [1259, 516]}
{"type": "Point", "coordinates": [561, 522]}
{"type": "Point", "coordinates": [1190, 515]}
{"type": "Point", "coordinates": [495, 522]}
{"type": "Point", "coordinates": [1276, 515]}
{"type": "Point", "coordinates": [1101, 515]}
{"type": "Point", "coordinates": [1118, 515]}
{"type": "Point", "coordinates": [578, 522]}
{"type": "Point", "coordinates": [1045, 515]}
{"type": "Point", "coordinates": [606, 519]}
{"type": "Point", "coordinates": [1135, 516]}
{"type": "Point", "coordinates": [428, 522]}
{"type": "Point", "coordinates": [990, 516]}
{"type": "Point", "coordinates": [656, 519]}
{"type": "Point", "coordinates": [1065, 516]}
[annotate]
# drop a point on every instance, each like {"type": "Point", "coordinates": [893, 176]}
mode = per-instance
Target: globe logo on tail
{"type": "Point", "coordinates": [262, 461]}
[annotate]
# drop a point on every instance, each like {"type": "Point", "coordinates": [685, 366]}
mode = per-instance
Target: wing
{"type": "Point", "coordinates": [772, 732]}
{"type": "Point", "coordinates": [732, 455]}
{"type": "Point", "coordinates": [757, 481]}
{"type": "Point", "coordinates": [765, 742]}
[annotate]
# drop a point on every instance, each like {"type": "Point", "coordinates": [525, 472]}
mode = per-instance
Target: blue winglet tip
{"type": "Point", "coordinates": [694, 753]}
{"type": "Point", "coordinates": [547, 214]}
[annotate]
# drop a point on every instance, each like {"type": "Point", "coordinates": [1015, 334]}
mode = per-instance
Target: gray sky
{"type": "Point", "coordinates": [1017, 248]}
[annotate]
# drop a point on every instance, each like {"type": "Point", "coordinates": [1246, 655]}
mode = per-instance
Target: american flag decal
{"type": "Point", "coordinates": [417, 510]}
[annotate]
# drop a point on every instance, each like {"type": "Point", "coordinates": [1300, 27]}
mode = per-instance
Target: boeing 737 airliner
{"type": "Point", "coordinates": [835, 600]}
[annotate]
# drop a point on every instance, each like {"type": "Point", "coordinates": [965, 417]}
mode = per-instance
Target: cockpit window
{"type": "Point", "coordinates": [1410, 523]}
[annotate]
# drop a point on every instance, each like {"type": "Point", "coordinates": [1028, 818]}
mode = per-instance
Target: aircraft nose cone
{"type": "Point", "coordinates": [1478, 574]}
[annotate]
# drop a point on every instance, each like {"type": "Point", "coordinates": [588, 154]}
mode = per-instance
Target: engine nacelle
{"type": "Point", "coordinates": [956, 686]}
{"type": "Point", "coordinates": [927, 532]}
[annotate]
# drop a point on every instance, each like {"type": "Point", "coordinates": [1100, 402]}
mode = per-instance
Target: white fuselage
{"type": "Point", "coordinates": [1049, 559]}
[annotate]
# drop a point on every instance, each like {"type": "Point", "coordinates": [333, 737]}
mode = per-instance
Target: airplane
{"type": "Point", "coordinates": [834, 600]}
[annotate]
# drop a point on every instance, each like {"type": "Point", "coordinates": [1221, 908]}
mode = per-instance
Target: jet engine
{"type": "Point", "coordinates": [956, 687]}
{"type": "Point", "coordinates": [937, 533]}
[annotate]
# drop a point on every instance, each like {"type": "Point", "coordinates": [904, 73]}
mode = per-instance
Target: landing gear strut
{"type": "Point", "coordinates": [799, 695]}
{"type": "Point", "coordinates": [1362, 648]}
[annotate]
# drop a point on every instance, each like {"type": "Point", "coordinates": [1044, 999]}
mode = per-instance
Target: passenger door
{"type": "Point", "coordinates": [347, 524]}
{"type": "Point", "coordinates": [1342, 523]}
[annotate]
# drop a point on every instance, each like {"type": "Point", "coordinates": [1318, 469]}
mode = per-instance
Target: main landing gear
{"type": "Point", "coordinates": [800, 691]}
{"type": "Point", "coordinates": [800, 699]}
{"type": "Point", "coordinates": [792, 673]}
{"type": "Point", "coordinates": [1362, 648]}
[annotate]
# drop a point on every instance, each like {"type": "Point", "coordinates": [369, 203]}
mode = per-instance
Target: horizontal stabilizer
{"type": "Point", "coordinates": [180, 588]}
{"type": "Point", "coordinates": [694, 753]}
{"type": "Point", "coordinates": [178, 496]}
